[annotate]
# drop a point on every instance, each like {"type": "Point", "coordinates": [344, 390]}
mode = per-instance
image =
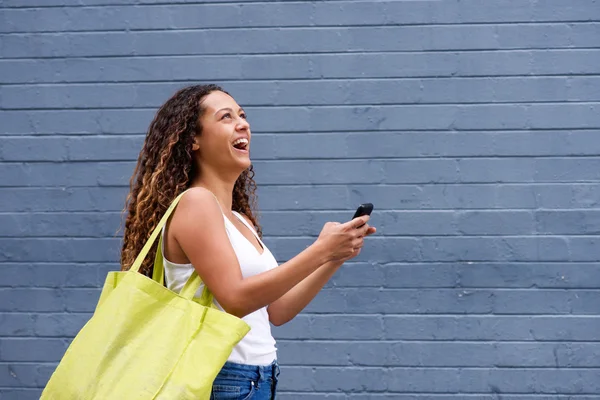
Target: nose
{"type": "Point", "coordinates": [242, 124]}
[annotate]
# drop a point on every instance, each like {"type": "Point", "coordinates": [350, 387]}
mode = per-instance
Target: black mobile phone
{"type": "Point", "coordinates": [363, 209]}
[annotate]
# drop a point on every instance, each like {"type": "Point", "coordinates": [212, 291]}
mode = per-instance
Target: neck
{"type": "Point", "coordinates": [221, 186]}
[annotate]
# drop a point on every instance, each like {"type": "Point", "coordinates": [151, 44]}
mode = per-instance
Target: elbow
{"type": "Point", "coordinates": [233, 301]}
{"type": "Point", "coordinates": [240, 309]}
{"type": "Point", "coordinates": [235, 306]}
{"type": "Point", "coordinates": [276, 319]}
{"type": "Point", "coordinates": [235, 309]}
{"type": "Point", "coordinates": [277, 322]}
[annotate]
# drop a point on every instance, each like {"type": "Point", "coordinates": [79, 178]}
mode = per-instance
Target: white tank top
{"type": "Point", "coordinates": [258, 346]}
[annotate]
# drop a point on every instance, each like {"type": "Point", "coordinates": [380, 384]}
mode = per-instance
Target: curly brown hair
{"type": "Point", "coordinates": [165, 168]}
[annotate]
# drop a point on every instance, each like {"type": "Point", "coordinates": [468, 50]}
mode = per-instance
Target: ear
{"type": "Point", "coordinates": [195, 145]}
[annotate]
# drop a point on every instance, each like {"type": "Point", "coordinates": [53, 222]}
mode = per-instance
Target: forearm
{"type": "Point", "coordinates": [263, 289]}
{"type": "Point", "coordinates": [294, 301]}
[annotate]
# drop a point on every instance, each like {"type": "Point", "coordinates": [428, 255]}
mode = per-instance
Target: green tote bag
{"type": "Point", "coordinates": [145, 341]}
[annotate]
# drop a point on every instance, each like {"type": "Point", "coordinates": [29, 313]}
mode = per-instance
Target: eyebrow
{"type": "Point", "coordinates": [229, 109]}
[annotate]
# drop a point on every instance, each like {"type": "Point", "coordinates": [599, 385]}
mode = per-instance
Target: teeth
{"type": "Point", "coordinates": [240, 141]}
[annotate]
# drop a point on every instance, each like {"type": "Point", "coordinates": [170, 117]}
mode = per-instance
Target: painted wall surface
{"type": "Point", "coordinates": [473, 126]}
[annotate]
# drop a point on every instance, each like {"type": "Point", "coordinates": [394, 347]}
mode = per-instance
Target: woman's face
{"type": "Point", "coordinates": [224, 143]}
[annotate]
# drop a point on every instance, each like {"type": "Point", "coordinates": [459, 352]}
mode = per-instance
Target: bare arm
{"type": "Point", "coordinates": [290, 304]}
{"type": "Point", "coordinates": [198, 228]}
{"type": "Point", "coordinates": [293, 302]}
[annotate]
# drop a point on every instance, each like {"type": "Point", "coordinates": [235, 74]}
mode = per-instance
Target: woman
{"type": "Point", "coordinates": [199, 141]}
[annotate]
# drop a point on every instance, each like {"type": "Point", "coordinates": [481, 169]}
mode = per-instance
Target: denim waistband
{"type": "Point", "coordinates": [253, 372]}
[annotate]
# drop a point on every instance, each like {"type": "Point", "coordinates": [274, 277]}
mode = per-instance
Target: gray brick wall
{"type": "Point", "coordinates": [473, 126]}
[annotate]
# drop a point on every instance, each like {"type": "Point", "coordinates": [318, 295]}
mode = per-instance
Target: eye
{"type": "Point", "coordinates": [227, 115]}
{"type": "Point", "coordinates": [243, 116]}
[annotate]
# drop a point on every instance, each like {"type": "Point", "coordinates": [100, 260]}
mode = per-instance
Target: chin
{"type": "Point", "coordinates": [243, 164]}
{"type": "Point", "coordinates": [241, 160]}
{"type": "Point", "coordinates": [246, 164]}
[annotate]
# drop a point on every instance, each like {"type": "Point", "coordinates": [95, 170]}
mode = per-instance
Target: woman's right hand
{"type": "Point", "coordinates": [344, 241]}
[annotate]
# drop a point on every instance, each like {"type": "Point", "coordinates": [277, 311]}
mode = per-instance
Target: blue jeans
{"type": "Point", "coordinates": [241, 382]}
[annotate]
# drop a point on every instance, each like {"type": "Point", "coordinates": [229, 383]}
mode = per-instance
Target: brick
{"type": "Point", "coordinates": [60, 325]}
{"type": "Point", "coordinates": [68, 174]}
{"type": "Point", "coordinates": [56, 275]}
{"type": "Point", "coordinates": [311, 396]}
{"type": "Point", "coordinates": [307, 326]}
{"type": "Point", "coordinates": [60, 250]}
{"type": "Point", "coordinates": [363, 274]}
{"type": "Point", "coordinates": [531, 381]}
{"type": "Point", "coordinates": [104, 148]}
{"type": "Point", "coordinates": [42, 324]}
{"type": "Point", "coordinates": [584, 248]}
{"type": "Point", "coordinates": [30, 300]}
{"type": "Point", "coordinates": [572, 170]}
{"type": "Point", "coordinates": [60, 224]}
{"type": "Point", "coordinates": [20, 394]}
{"type": "Point", "coordinates": [306, 379]}
{"type": "Point", "coordinates": [568, 222]}
{"type": "Point", "coordinates": [25, 375]}
{"type": "Point", "coordinates": [48, 300]}
{"type": "Point", "coordinates": [38, 149]}
{"type": "Point", "coordinates": [495, 222]}
{"type": "Point", "coordinates": [16, 324]}
{"type": "Point", "coordinates": [411, 275]}
{"type": "Point", "coordinates": [27, 349]}
{"type": "Point", "coordinates": [56, 199]}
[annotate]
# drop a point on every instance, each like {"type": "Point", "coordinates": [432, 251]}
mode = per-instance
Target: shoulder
{"type": "Point", "coordinates": [198, 202]}
{"type": "Point", "coordinates": [198, 195]}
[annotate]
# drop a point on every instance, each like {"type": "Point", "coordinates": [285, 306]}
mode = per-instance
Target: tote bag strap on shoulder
{"type": "Point", "coordinates": [194, 281]}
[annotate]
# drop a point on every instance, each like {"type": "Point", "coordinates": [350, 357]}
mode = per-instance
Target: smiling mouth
{"type": "Point", "coordinates": [241, 144]}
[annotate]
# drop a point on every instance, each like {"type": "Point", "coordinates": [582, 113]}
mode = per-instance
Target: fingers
{"type": "Point", "coordinates": [348, 238]}
{"type": "Point", "coordinates": [364, 229]}
{"type": "Point", "coordinates": [357, 222]}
